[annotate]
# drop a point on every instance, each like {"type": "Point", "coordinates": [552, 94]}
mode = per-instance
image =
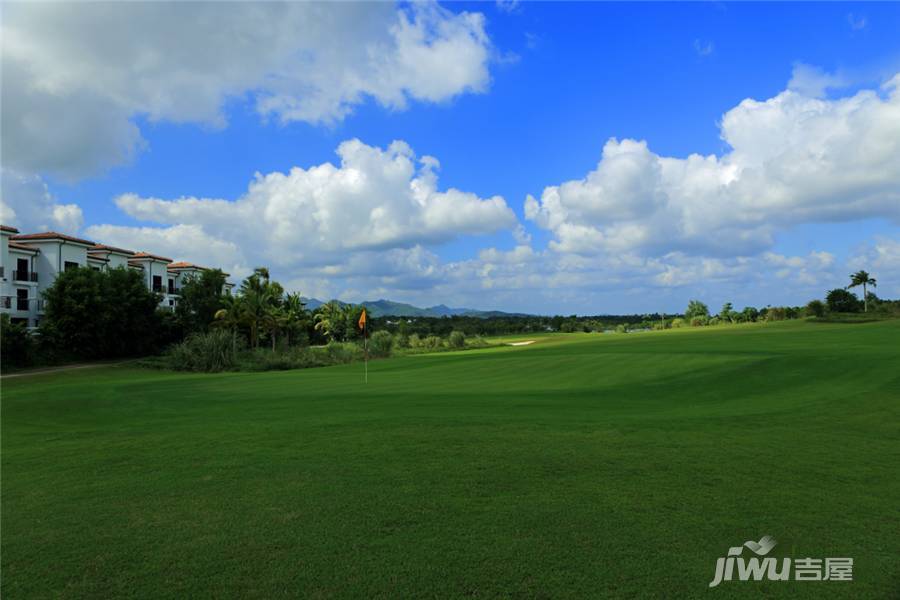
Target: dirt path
{"type": "Point", "coordinates": [57, 369]}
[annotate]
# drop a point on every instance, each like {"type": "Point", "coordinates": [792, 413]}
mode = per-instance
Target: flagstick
{"type": "Point", "coordinates": [366, 346]}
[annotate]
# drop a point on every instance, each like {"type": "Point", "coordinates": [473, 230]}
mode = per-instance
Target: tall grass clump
{"type": "Point", "coordinates": [380, 344]}
{"type": "Point", "coordinates": [340, 353]}
{"type": "Point", "coordinates": [211, 352]}
{"type": "Point", "coordinates": [457, 340]}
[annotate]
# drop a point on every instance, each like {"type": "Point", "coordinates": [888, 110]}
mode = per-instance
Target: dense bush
{"type": "Point", "coordinates": [380, 344]}
{"type": "Point", "coordinates": [840, 300]}
{"type": "Point", "coordinates": [343, 352]}
{"type": "Point", "coordinates": [678, 323]}
{"type": "Point", "coordinates": [432, 342]}
{"type": "Point", "coordinates": [100, 314]}
{"type": "Point", "coordinates": [815, 308]}
{"type": "Point", "coordinates": [696, 309]}
{"type": "Point", "coordinates": [17, 347]}
{"type": "Point", "coordinates": [457, 339]}
{"type": "Point", "coordinates": [401, 341]}
{"type": "Point", "coordinates": [476, 342]}
{"type": "Point", "coordinates": [209, 352]}
{"type": "Point", "coordinates": [200, 298]}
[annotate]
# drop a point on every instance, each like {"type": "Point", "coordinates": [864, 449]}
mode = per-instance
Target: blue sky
{"type": "Point", "coordinates": [542, 89]}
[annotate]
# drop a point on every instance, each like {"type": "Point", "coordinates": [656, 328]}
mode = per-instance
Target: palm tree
{"type": "Point", "coordinates": [258, 282]}
{"type": "Point", "coordinates": [329, 319]}
{"type": "Point", "coordinates": [864, 279]}
{"type": "Point", "coordinates": [230, 316]}
{"type": "Point", "coordinates": [256, 305]}
{"type": "Point", "coordinates": [272, 323]}
{"type": "Point", "coordinates": [295, 312]}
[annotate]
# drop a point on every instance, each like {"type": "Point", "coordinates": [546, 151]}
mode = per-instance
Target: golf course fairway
{"type": "Point", "coordinates": [579, 466]}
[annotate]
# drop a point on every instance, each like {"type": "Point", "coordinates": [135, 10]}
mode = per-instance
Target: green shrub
{"type": "Point", "coordinates": [17, 344]}
{"type": "Point", "coordinates": [815, 308]}
{"type": "Point", "coordinates": [415, 341]}
{"type": "Point", "coordinates": [699, 321]}
{"type": "Point", "coordinates": [841, 300]}
{"type": "Point", "coordinates": [432, 342]}
{"type": "Point", "coordinates": [621, 328]}
{"type": "Point", "coordinates": [208, 352]}
{"type": "Point", "coordinates": [679, 322]}
{"type": "Point", "coordinates": [457, 339]}
{"type": "Point", "coordinates": [401, 341]}
{"type": "Point", "coordinates": [776, 313]}
{"type": "Point", "coordinates": [343, 352]}
{"type": "Point", "coordinates": [476, 342]}
{"type": "Point", "coordinates": [260, 359]}
{"type": "Point", "coordinates": [380, 344]}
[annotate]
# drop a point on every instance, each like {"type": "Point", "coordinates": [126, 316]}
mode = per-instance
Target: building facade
{"type": "Point", "coordinates": [30, 263]}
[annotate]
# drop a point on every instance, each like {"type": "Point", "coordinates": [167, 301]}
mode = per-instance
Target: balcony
{"type": "Point", "coordinates": [25, 276]}
{"type": "Point", "coordinates": [173, 291]}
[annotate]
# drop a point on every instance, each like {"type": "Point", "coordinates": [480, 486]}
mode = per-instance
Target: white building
{"type": "Point", "coordinates": [29, 264]}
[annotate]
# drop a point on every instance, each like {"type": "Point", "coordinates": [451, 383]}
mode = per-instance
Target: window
{"type": "Point", "coordinates": [19, 321]}
{"type": "Point", "coordinates": [70, 265]}
{"type": "Point", "coordinates": [96, 268]}
{"type": "Point", "coordinates": [21, 299]}
{"type": "Point", "coordinates": [171, 286]}
{"type": "Point", "coordinates": [157, 283]}
{"type": "Point", "coordinates": [171, 303]}
{"type": "Point", "coordinates": [21, 273]}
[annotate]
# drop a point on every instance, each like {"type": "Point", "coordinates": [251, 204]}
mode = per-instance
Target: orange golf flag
{"type": "Point", "coordinates": [362, 320]}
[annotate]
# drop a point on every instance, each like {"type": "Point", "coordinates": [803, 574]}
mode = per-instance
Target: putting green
{"type": "Point", "coordinates": [577, 466]}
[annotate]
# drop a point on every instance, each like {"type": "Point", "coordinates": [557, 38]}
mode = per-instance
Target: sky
{"type": "Point", "coordinates": [551, 158]}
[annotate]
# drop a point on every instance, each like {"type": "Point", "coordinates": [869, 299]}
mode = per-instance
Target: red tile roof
{"type": "Point", "coordinates": [105, 248]}
{"type": "Point", "coordinates": [8, 229]}
{"type": "Point", "coordinates": [141, 255]}
{"type": "Point", "coordinates": [50, 235]}
{"type": "Point", "coordinates": [185, 265]}
{"type": "Point", "coordinates": [19, 246]}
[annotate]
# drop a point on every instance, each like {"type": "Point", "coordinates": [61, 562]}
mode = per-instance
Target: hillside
{"type": "Point", "coordinates": [389, 308]}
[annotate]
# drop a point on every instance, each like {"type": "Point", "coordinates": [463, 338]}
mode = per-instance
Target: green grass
{"type": "Point", "coordinates": [580, 466]}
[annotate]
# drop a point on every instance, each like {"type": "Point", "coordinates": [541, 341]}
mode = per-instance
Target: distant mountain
{"type": "Point", "coordinates": [389, 308]}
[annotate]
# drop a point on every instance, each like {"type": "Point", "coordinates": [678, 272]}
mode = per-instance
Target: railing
{"type": "Point", "coordinates": [24, 276]}
{"type": "Point", "coordinates": [173, 291]}
{"type": "Point", "coordinates": [159, 289]}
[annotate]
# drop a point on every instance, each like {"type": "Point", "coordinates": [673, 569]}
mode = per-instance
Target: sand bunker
{"type": "Point", "coordinates": [520, 343]}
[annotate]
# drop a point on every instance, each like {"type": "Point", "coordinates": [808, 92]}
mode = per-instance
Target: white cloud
{"type": "Point", "coordinates": [794, 159]}
{"type": "Point", "coordinates": [179, 242]}
{"type": "Point", "coordinates": [882, 259]}
{"type": "Point", "coordinates": [76, 75]}
{"type": "Point", "coordinates": [856, 22]}
{"type": "Point", "coordinates": [26, 203]}
{"type": "Point", "coordinates": [508, 6]}
{"type": "Point", "coordinates": [321, 217]}
{"type": "Point", "coordinates": [703, 48]}
{"type": "Point", "coordinates": [813, 81]}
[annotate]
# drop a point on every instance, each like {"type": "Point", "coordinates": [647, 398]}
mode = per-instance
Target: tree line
{"type": "Point", "coordinates": [111, 314]}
